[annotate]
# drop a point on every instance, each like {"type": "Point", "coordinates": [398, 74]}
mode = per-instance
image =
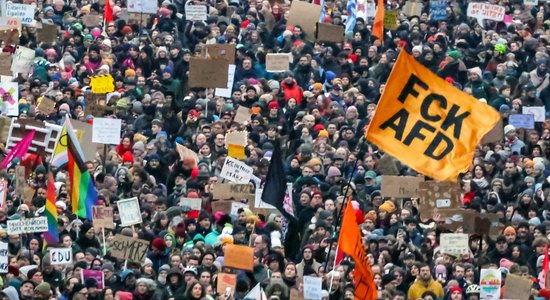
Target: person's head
{"type": "Point", "coordinates": [195, 290]}
{"type": "Point", "coordinates": [425, 273]}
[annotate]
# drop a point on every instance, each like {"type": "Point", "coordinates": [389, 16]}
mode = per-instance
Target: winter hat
{"type": "Point", "coordinates": [476, 71]}
{"type": "Point", "coordinates": [539, 166]}
{"type": "Point", "coordinates": [127, 157]}
{"type": "Point", "coordinates": [148, 262]}
{"type": "Point", "coordinates": [505, 263]}
{"type": "Point", "coordinates": [456, 55]}
{"type": "Point", "coordinates": [44, 289]}
{"type": "Point", "coordinates": [508, 128]}
{"type": "Point", "coordinates": [129, 73]}
{"type": "Point", "coordinates": [388, 206]}
{"type": "Point", "coordinates": [333, 171]}
{"type": "Point", "coordinates": [323, 133]}
{"type": "Point", "coordinates": [64, 107]}
{"type": "Point", "coordinates": [509, 230]}
{"type": "Point", "coordinates": [371, 215]}
{"type": "Point", "coordinates": [139, 146]}
{"type": "Point", "coordinates": [455, 289]}
{"type": "Point", "coordinates": [159, 244]}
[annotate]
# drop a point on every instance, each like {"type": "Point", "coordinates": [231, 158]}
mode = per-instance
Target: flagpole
{"type": "Point", "coordinates": [333, 267]}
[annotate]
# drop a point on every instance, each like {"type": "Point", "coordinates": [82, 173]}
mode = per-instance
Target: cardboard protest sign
{"type": "Point", "coordinates": [92, 20]}
{"type": "Point", "coordinates": [208, 73]}
{"type": "Point", "coordinates": [102, 84]}
{"type": "Point", "coordinates": [306, 15]}
{"type": "Point", "coordinates": [193, 203]}
{"type": "Point", "coordinates": [539, 112]}
{"type": "Point", "coordinates": [219, 51]}
{"type": "Point", "coordinates": [434, 194]}
{"type": "Point", "coordinates": [226, 92]}
{"type": "Point", "coordinates": [517, 287]}
{"type": "Point", "coordinates": [10, 36]}
{"type": "Point", "coordinates": [485, 11]}
{"type": "Point", "coordinates": [144, 7]}
{"type": "Point", "coordinates": [438, 10]}
{"type": "Point", "coordinates": [400, 186]}
{"type": "Point", "coordinates": [490, 282]}
{"type": "Point", "coordinates": [102, 217]}
{"type": "Point", "coordinates": [106, 131]}
{"type": "Point", "coordinates": [223, 206]}
{"type": "Point", "coordinates": [195, 13]}
{"type": "Point", "coordinates": [242, 115]}
{"type": "Point", "coordinates": [4, 257]}
{"type": "Point", "coordinates": [9, 95]}
{"type": "Point", "coordinates": [46, 106]}
{"type": "Point", "coordinates": [5, 124]}
{"type": "Point", "coordinates": [412, 8]}
{"type": "Point", "coordinates": [226, 280]}
{"type": "Point", "coordinates": [38, 224]}
{"type": "Point", "coordinates": [312, 287]}
{"type": "Point", "coordinates": [20, 180]}
{"type": "Point", "coordinates": [454, 243]}
{"type": "Point", "coordinates": [186, 153]}
{"type": "Point", "coordinates": [330, 33]}
{"type": "Point", "coordinates": [125, 247]}
{"type": "Point", "coordinates": [495, 135]}
{"type": "Point", "coordinates": [61, 256]}
{"type": "Point", "coordinates": [22, 60]}
{"type": "Point", "coordinates": [277, 62]}
{"type": "Point", "coordinates": [390, 19]}
{"type": "Point", "coordinates": [522, 121]}
{"type": "Point", "coordinates": [95, 274]}
{"type": "Point", "coordinates": [23, 11]}
{"type": "Point", "coordinates": [5, 64]}
{"type": "Point", "coordinates": [228, 190]}
{"type": "Point", "coordinates": [239, 257]}
{"type": "Point", "coordinates": [236, 171]}
{"type": "Point", "coordinates": [259, 203]}
{"type": "Point", "coordinates": [47, 33]}
{"type": "Point", "coordinates": [129, 210]}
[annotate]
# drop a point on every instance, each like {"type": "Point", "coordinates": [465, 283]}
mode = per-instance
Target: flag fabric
{"type": "Point", "coordinates": [108, 15]}
{"type": "Point", "coordinates": [351, 243]}
{"type": "Point", "coordinates": [83, 193]}
{"type": "Point", "coordinates": [378, 27]}
{"type": "Point", "coordinates": [351, 8]}
{"type": "Point", "coordinates": [59, 157]}
{"type": "Point", "coordinates": [52, 235]}
{"type": "Point", "coordinates": [545, 267]}
{"type": "Point", "coordinates": [427, 123]}
{"type": "Point", "coordinates": [19, 150]}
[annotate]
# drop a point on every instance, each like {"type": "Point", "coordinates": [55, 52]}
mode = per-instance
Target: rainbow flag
{"type": "Point", "coordinates": [83, 193]}
{"type": "Point", "coordinates": [51, 236]}
{"type": "Point", "coordinates": [19, 150]}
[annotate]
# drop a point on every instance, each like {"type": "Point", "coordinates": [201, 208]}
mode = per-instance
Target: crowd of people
{"type": "Point", "coordinates": [318, 112]}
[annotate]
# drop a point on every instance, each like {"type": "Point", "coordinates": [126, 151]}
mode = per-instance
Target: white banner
{"type": "Point", "coordinates": [236, 171]}
{"type": "Point", "coordinates": [31, 225]}
{"type": "Point", "coordinates": [130, 212]}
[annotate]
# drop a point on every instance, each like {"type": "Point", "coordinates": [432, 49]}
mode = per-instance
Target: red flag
{"type": "Point", "coordinates": [108, 15]}
{"type": "Point", "coordinates": [545, 266]}
{"type": "Point", "coordinates": [378, 27]}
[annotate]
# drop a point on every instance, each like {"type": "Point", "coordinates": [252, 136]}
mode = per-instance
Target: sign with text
{"type": "Point", "coordinates": [46, 106]}
{"type": "Point", "coordinates": [194, 203]}
{"type": "Point", "coordinates": [30, 225]}
{"type": "Point", "coordinates": [239, 257]}
{"type": "Point", "coordinates": [522, 121]}
{"type": "Point", "coordinates": [102, 217]}
{"type": "Point", "coordinates": [95, 274]}
{"type": "Point", "coordinates": [412, 8]}
{"type": "Point", "coordinates": [47, 33]}
{"type": "Point", "coordinates": [235, 206]}
{"type": "Point", "coordinates": [208, 73]}
{"type": "Point", "coordinates": [454, 243]}
{"type": "Point", "coordinates": [226, 280]}
{"type": "Point", "coordinates": [306, 15]}
{"type": "Point", "coordinates": [438, 195]}
{"type": "Point", "coordinates": [485, 11]}
{"type": "Point", "coordinates": [142, 6]}
{"type": "Point", "coordinates": [236, 171]}
{"type": "Point", "coordinates": [220, 51]}
{"type": "Point", "coordinates": [401, 186]}
{"type": "Point", "coordinates": [102, 84]}
{"type": "Point", "coordinates": [438, 10]}
{"type": "Point", "coordinates": [330, 33]}
{"type": "Point", "coordinates": [20, 180]}
{"type": "Point", "coordinates": [312, 287]}
{"type": "Point", "coordinates": [490, 281]}
{"type": "Point", "coordinates": [4, 257]}
{"type": "Point", "coordinates": [125, 247]}
{"type": "Point", "coordinates": [242, 115]}
{"type": "Point", "coordinates": [22, 60]}
{"type": "Point", "coordinates": [3, 193]}
{"type": "Point", "coordinates": [277, 62]}
{"type": "Point", "coordinates": [9, 96]}
{"type": "Point", "coordinates": [61, 256]}
{"type": "Point", "coordinates": [130, 212]}
{"type": "Point", "coordinates": [195, 13]}
{"type": "Point", "coordinates": [23, 11]}
{"type": "Point", "coordinates": [539, 112]}
{"type": "Point", "coordinates": [106, 131]}
{"type": "Point", "coordinates": [390, 19]}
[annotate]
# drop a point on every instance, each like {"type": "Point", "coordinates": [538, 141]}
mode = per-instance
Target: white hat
{"type": "Point", "coordinates": [107, 42]}
{"type": "Point", "coordinates": [61, 204]}
{"type": "Point", "coordinates": [104, 68]}
{"type": "Point", "coordinates": [508, 128]}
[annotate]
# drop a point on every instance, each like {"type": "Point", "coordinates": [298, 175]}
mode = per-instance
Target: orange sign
{"type": "Point", "coordinates": [239, 257]}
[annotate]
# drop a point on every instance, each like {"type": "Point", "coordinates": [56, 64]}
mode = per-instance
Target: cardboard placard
{"type": "Point", "coordinates": [226, 92]}
{"type": "Point", "coordinates": [61, 256]}
{"type": "Point", "coordinates": [4, 257]}
{"type": "Point", "coordinates": [454, 243]}
{"type": "Point", "coordinates": [401, 186]}
{"type": "Point", "coordinates": [84, 133]}
{"type": "Point", "coordinates": [228, 190]}
{"type": "Point", "coordinates": [438, 195]}
{"type": "Point", "coordinates": [95, 274]}
{"type": "Point", "coordinates": [390, 19]}
{"type": "Point", "coordinates": [5, 64]}
{"type": "Point", "coordinates": [10, 36]}
{"type": "Point", "coordinates": [102, 217]}
{"type": "Point", "coordinates": [47, 33]}
{"type": "Point", "coordinates": [130, 212]}
{"type": "Point", "coordinates": [7, 23]}
{"type": "Point", "coordinates": [236, 171]}
{"type": "Point", "coordinates": [124, 247]}
{"type": "Point", "coordinates": [412, 8]}
{"type": "Point", "coordinates": [242, 115]}
{"type": "Point", "coordinates": [223, 206]}
{"type": "Point", "coordinates": [495, 135]}
{"type": "Point", "coordinates": [106, 131]}
{"type": "Point", "coordinates": [92, 20]}
{"type": "Point", "coordinates": [306, 15]}
{"type": "Point", "coordinates": [226, 280]}
{"type": "Point", "coordinates": [20, 180]}
{"type": "Point", "coordinates": [193, 203]}
{"type": "Point", "coordinates": [220, 51]}
{"type": "Point", "coordinates": [517, 287]}
{"type": "Point", "coordinates": [239, 257]}
{"type": "Point", "coordinates": [237, 138]}
{"type": "Point", "coordinates": [38, 224]}
{"type": "Point", "coordinates": [452, 218]}
{"type": "Point", "coordinates": [277, 62]}
{"type": "Point", "coordinates": [95, 104]}
{"type": "Point", "coordinates": [387, 166]}
{"type": "Point", "coordinates": [208, 73]}
{"type": "Point", "coordinates": [22, 60]}
{"type": "Point", "coordinates": [330, 33]}
{"type": "Point", "coordinates": [46, 106]}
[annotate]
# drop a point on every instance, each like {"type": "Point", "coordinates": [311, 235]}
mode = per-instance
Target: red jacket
{"type": "Point", "coordinates": [293, 91]}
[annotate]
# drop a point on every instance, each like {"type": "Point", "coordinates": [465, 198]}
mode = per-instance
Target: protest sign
{"type": "Point", "coordinates": [370, 10]}
{"type": "Point", "coordinates": [451, 218]}
{"type": "Point", "coordinates": [277, 62]}
{"type": "Point", "coordinates": [221, 205]}
{"type": "Point", "coordinates": [193, 203]}
{"type": "Point", "coordinates": [239, 257]}
{"type": "Point", "coordinates": [436, 138]}
{"type": "Point", "coordinates": [20, 180]}
{"type": "Point", "coordinates": [10, 36]}
{"type": "Point", "coordinates": [242, 115]}
{"type": "Point", "coordinates": [219, 51]}
{"type": "Point", "coordinates": [400, 186]}
{"type": "Point", "coordinates": [125, 247]}
{"type": "Point", "coordinates": [226, 92]}
{"type": "Point", "coordinates": [23, 11]}
{"type": "Point", "coordinates": [22, 60]}
{"type": "Point", "coordinates": [9, 24]}
{"type": "Point", "coordinates": [438, 10]}
{"type": "Point", "coordinates": [530, 2]}
{"type": "Point", "coordinates": [517, 287]}
{"type": "Point", "coordinates": [228, 190]}
{"type": "Point", "coordinates": [5, 64]}
{"type": "Point", "coordinates": [539, 112]}
{"type": "Point", "coordinates": [9, 96]}
{"type": "Point", "coordinates": [102, 217]}
{"type": "Point", "coordinates": [208, 73]}
{"type": "Point", "coordinates": [195, 13]}
{"type": "Point", "coordinates": [296, 295]}
{"type": "Point", "coordinates": [129, 210]}
{"type": "Point", "coordinates": [106, 131]}
{"type": "Point", "coordinates": [235, 206]}
{"type": "Point", "coordinates": [434, 194]}
{"type": "Point", "coordinates": [235, 141]}
{"type": "Point", "coordinates": [3, 193]}
{"type": "Point", "coordinates": [142, 6]}
{"type": "Point", "coordinates": [92, 20]}
{"type": "Point", "coordinates": [306, 15]}
{"type": "Point", "coordinates": [522, 121]}
{"type": "Point", "coordinates": [61, 256]}
{"type": "Point", "coordinates": [312, 287]}
{"type": "Point", "coordinates": [236, 171]}
{"type": "Point", "coordinates": [47, 33]}
{"type": "Point", "coordinates": [4, 257]}
{"type": "Point", "coordinates": [489, 282]}
{"type": "Point", "coordinates": [454, 243]}
{"type": "Point", "coordinates": [330, 33]}
{"type": "Point", "coordinates": [46, 106]}
{"type": "Point", "coordinates": [95, 274]}
{"type": "Point", "coordinates": [226, 280]}
{"type": "Point", "coordinates": [412, 8]}
{"type": "Point", "coordinates": [485, 11]}
{"type": "Point", "coordinates": [495, 135]}
{"type": "Point", "coordinates": [390, 19]}
{"type": "Point", "coordinates": [31, 225]}
{"type": "Point", "coordinates": [102, 84]}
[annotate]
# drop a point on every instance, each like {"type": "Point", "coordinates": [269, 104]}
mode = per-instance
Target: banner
{"type": "Point", "coordinates": [130, 212]}
{"type": "Point", "coordinates": [31, 225]}
{"type": "Point", "coordinates": [61, 256]}
{"type": "Point", "coordinates": [428, 124]}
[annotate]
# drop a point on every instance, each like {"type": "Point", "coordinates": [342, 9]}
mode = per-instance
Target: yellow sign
{"type": "Point", "coordinates": [390, 19]}
{"type": "Point", "coordinates": [102, 84]}
{"type": "Point", "coordinates": [427, 123]}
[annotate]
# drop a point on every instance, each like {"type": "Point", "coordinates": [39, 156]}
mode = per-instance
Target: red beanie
{"type": "Point", "coordinates": [318, 128]}
{"type": "Point", "coordinates": [180, 230]}
{"type": "Point", "coordinates": [128, 157]}
{"type": "Point", "coordinates": [273, 104]}
{"type": "Point", "coordinates": [159, 244]}
{"type": "Point", "coordinates": [455, 289]}
{"type": "Point", "coordinates": [194, 173]}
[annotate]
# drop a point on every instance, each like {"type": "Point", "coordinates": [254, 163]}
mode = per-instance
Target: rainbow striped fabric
{"type": "Point", "coordinates": [83, 193]}
{"type": "Point", "coordinates": [51, 236]}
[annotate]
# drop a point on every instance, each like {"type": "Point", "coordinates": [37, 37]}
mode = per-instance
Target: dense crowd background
{"type": "Point", "coordinates": [318, 111]}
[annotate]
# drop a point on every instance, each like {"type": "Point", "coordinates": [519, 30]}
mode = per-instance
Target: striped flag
{"type": "Point", "coordinates": [351, 8]}
{"type": "Point", "coordinates": [52, 235]}
{"type": "Point", "coordinates": [19, 150]}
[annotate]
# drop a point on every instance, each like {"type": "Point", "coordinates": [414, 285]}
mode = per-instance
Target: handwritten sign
{"type": "Point", "coordinates": [141, 6]}
{"type": "Point", "coordinates": [239, 257]}
{"type": "Point", "coordinates": [330, 33]}
{"type": "Point", "coordinates": [30, 225]}
{"type": "Point", "coordinates": [439, 195]}
{"type": "Point", "coordinates": [490, 282]}
{"type": "Point", "coordinates": [522, 121]}
{"type": "Point", "coordinates": [517, 287]}
{"type": "Point", "coordinates": [3, 257]}
{"type": "Point", "coordinates": [438, 10]}
{"type": "Point", "coordinates": [9, 24]}
{"type": "Point", "coordinates": [400, 186]}
{"type": "Point", "coordinates": [195, 13]}
{"type": "Point", "coordinates": [539, 112]}
{"type": "Point", "coordinates": [226, 92]}
{"type": "Point", "coordinates": [485, 11]}
{"type": "Point", "coordinates": [236, 171]}
{"type": "Point", "coordinates": [22, 60]}
{"type": "Point", "coordinates": [194, 203]}
{"type": "Point", "coordinates": [20, 182]}
{"type": "Point", "coordinates": [306, 15]}
{"type": "Point", "coordinates": [277, 62]}
{"type": "Point", "coordinates": [95, 274]}
{"type": "Point", "coordinates": [454, 243]}
{"type": "Point", "coordinates": [106, 131]}
{"type": "Point", "coordinates": [102, 84]}
{"type": "Point", "coordinates": [226, 280]}
{"type": "Point", "coordinates": [412, 8]}
{"type": "Point", "coordinates": [61, 256]}
{"type": "Point", "coordinates": [312, 287]}
{"type": "Point", "coordinates": [129, 248]}
{"type": "Point", "coordinates": [23, 11]}
{"type": "Point", "coordinates": [390, 19]}
{"type": "Point", "coordinates": [46, 106]}
{"type": "Point", "coordinates": [130, 213]}
{"type": "Point", "coordinates": [102, 217]}
{"type": "Point", "coordinates": [208, 73]}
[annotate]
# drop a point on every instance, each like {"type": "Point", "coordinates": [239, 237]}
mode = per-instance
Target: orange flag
{"type": "Point", "coordinates": [351, 243]}
{"type": "Point", "coordinates": [378, 28]}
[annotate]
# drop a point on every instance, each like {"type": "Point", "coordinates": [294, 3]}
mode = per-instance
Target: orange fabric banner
{"type": "Point", "coordinates": [351, 243]}
{"type": "Point", "coordinates": [427, 123]}
{"type": "Point", "coordinates": [378, 27]}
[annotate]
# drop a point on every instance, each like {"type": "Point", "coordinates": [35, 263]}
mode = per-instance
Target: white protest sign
{"type": "Point", "coordinates": [31, 225]}
{"type": "Point", "coordinates": [226, 93]}
{"type": "Point", "coordinates": [106, 131]}
{"type": "Point", "coordinates": [130, 213]}
{"type": "Point", "coordinates": [142, 6]}
{"type": "Point", "coordinates": [236, 171]}
{"type": "Point", "coordinates": [539, 112]}
{"type": "Point", "coordinates": [530, 2]}
{"type": "Point", "coordinates": [454, 243]}
{"type": "Point", "coordinates": [22, 60]}
{"type": "Point", "coordinates": [235, 206]}
{"type": "Point", "coordinates": [258, 203]}
{"type": "Point", "coordinates": [193, 203]}
{"type": "Point", "coordinates": [485, 11]}
{"type": "Point", "coordinates": [312, 287]}
{"type": "Point", "coordinates": [370, 11]}
{"type": "Point", "coordinates": [3, 257]}
{"type": "Point", "coordinates": [277, 62]}
{"type": "Point", "coordinates": [195, 13]}
{"type": "Point", "coordinates": [61, 256]}
{"type": "Point", "coordinates": [489, 282]}
{"type": "Point", "coordinates": [23, 11]}
{"type": "Point", "coordinates": [9, 96]}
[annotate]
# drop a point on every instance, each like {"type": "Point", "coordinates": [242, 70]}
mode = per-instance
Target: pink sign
{"type": "Point", "coordinates": [97, 275]}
